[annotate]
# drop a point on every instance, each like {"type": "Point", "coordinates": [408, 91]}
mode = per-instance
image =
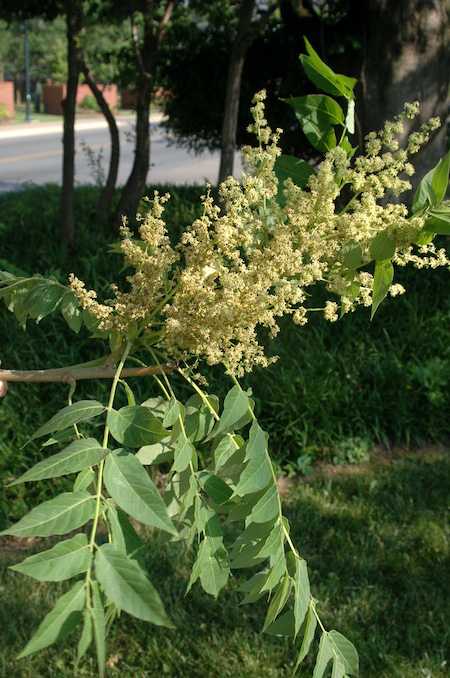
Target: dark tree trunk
{"type": "Point", "coordinates": [246, 34]}
{"type": "Point", "coordinates": [104, 202]}
{"type": "Point", "coordinates": [405, 57]}
{"type": "Point", "coordinates": [134, 189]}
{"type": "Point", "coordinates": [66, 216]}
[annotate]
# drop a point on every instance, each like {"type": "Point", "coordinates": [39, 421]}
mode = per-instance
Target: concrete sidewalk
{"type": "Point", "coordinates": [34, 127]}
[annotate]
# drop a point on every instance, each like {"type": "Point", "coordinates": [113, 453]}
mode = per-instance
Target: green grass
{"type": "Point", "coordinates": [376, 539]}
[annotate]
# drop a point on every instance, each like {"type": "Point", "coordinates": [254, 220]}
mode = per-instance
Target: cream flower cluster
{"type": "Point", "coordinates": [246, 264]}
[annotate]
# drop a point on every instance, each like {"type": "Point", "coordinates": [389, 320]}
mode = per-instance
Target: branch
{"type": "Point", "coordinates": [67, 374]}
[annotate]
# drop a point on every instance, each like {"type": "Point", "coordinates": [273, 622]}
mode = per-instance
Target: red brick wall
{"type": "Point", "coordinates": [128, 98]}
{"type": "Point", "coordinates": [54, 94]}
{"type": "Point", "coordinates": [7, 97]}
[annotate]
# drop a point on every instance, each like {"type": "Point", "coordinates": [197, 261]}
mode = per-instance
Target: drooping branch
{"type": "Point", "coordinates": [67, 374]}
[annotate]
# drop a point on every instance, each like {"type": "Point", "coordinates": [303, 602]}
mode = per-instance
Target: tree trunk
{"type": "Point", "coordinates": [66, 216]}
{"type": "Point", "coordinates": [405, 57]}
{"type": "Point", "coordinates": [104, 202]}
{"type": "Point", "coordinates": [241, 44]}
{"type": "Point", "coordinates": [134, 189]}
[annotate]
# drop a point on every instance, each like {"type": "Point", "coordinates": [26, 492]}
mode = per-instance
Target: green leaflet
{"type": "Point", "coordinates": [257, 442]}
{"type": "Point", "coordinates": [130, 486]}
{"type": "Point", "coordinates": [78, 456]}
{"type": "Point", "coordinates": [302, 594]}
{"type": "Point", "coordinates": [172, 412]}
{"type": "Point", "coordinates": [288, 167]}
{"type": "Point", "coordinates": [310, 629]}
{"type": "Point", "coordinates": [283, 625]}
{"type": "Point", "coordinates": [351, 254]}
{"type": "Point", "coordinates": [324, 656]}
{"type": "Point", "coordinates": [128, 587]}
{"type": "Point", "coordinates": [338, 669]}
{"type": "Point", "coordinates": [277, 569]}
{"type": "Point", "coordinates": [382, 247]}
{"type": "Point", "coordinates": [267, 507]}
{"type": "Point", "coordinates": [256, 475]}
{"type": "Point", "coordinates": [97, 613]}
{"type": "Point", "coordinates": [155, 454]}
{"type": "Point", "coordinates": [199, 420]}
{"type": "Point", "coordinates": [184, 453]}
{"type": "Point", "coordinates": [236, 412]}
{"type": "Point", "coordinates": [84, 480]}
{"type": "Point", "coordinates": [60, 515]}
{"type": "Point", "coordinates": [223, 451]}
{"type": "Point", "coordinates": [83, 410]}
{"type": "Point", "coordinates": [346, 651]}
{"type": "Point", "coordinates": [63, 561]}
{"type": "Point", "coordinates": [66, 614]}
{"type": "Point", "coordinates": [214, 574]}
{"type": "Point", "coordinates": [215, 487]}
{"type": "Point", "coordinates": [326, 79]}
{"type": "Point", "coordinates": [71, 312]}
{"type": "Point", "coordinates": [124, 536]}
{"type": "Point", "coordinates": [87, 636]}
{"type": "Point", "coordinates": [43, 299]}
{"type": "Point", "coordinates": [438, 222]}
{"type": "Point", "coordinates": [278, 601]}
{"type": "Point", "coordinates": [135, 426]}
{"type": "Point", "coordinates": [382, 280]}
{"type": "Point", "coordinates": [433, 187]}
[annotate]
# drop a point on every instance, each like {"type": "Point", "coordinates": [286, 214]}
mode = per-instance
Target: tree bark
{"type": "Point", "coordinates": [247, 32]}
{"type": "Point", "coordinates": [405, 57]}
{"type": "Point", "coordinates": [134, 189]}
{"type": "Point", "coordinates": [66, 216]}
{"type": "Point", "coordinates": [104, 202]}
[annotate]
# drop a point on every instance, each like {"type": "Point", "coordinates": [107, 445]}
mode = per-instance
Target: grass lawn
{"type": "Point", "coordinates": [376, 538]}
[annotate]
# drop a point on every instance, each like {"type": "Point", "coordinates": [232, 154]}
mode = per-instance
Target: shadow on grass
{"type": "Point", "coordinates": [376, 543]}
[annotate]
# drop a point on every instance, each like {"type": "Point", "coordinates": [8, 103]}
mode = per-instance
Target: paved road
{"type": "Point", "coordinates": [32, 154]}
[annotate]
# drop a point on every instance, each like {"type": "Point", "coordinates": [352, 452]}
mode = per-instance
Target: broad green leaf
{"type": "Point", "coordinates": [184, 453]}
{"type": "Point", "coordinates": [346, 652]}
{"type": "Point", "coordinates": [135, 426]}
{"type": "Point", "coordinates": [253, 588]}
{"type": "Point", "coordinates": [283, 625]}
{"type": "Point", "coordinates": [338, 668]}
{"type": "Point", "coordinates": [172, 412]}
{"type": "Point", "coordinates": [98, 619]}
{"type": "Point", "coordinates": [267, 507]}
{"type": "Point", "coordinates": [64, 617]}
{"type": "Point", "coordinates": [234, 465]}
{"type": "Point", "coordinates": [433, 187]}
{"type": "Point", "coordinates": [423, 238]}
{"type": "Point", "coordinates": [84, 480]}
{"type": "Point", "coordinates": [130, 486]}
{"type": "Point", "coordinates": [257, 442]}
{"type": "Point", "coordinates": [236, 408]}
{"type": "Point", "coordinates": [277, 569]}
{"type": "Point", "coordinates": [71, 312]}
{"type": "Point", "coordinates": [65, 560]}
{"type": "Point", "coordinates": [78, 456]}
{"type": "Point", "coordinates": [223, 451]}
{"type": "Point", "coordinates": [124, 536]}
{"type": "Point", "coordinates": [382, 247]}
{"type": "Point", "coordinates": [315, 107]}
{"type": "Point", "coordinates": [43, 299]}
{"type": "Point", "coordinates": [351, 254]}
{"type": "Point", "coordinates": [243, 506]}
{"type": "Point", "coordinates": [83, 410]}
{"type": "Point", "coordinates": [278, 601]}
{"type": "Point", "coordinates": [157, 405]}
{"type": "Point", "coordinates": [382, 280]}
{"type": "Point", "coordinates": [315, 122]}
{"type": "Point", "coordinates": [199, 419]}
{"type": "Point", "coordinates": [324, 656]}
{"type": "Point", "coordinates": [256, 475]}
{"type": "Point", "coordinates": [155, 454]}
{"type": "Point", "coordinates": [128, 587]}
{"type": "Point", "coordinates": [273, 543]}
{"type": "Point", "coordinates": [214, 574]}
{"type": "Point", "coordinates": [288, 167]}
{"type": "Point", "coordinates": [203, 555]}
{"type": "Point", "coordinates": [438, 222]}
{"type": "Point", "coordinates": [59, 436]}
{"type": "Point", "coordinates": [323, 77]}
{"type": "Point", "coordinates": [60, 515]}
{"type": "Point", "coordinates": [86, 638]}
{"type": "Point", "coordinates": [310, 629]}
{"type": "Point", "coordinates": [302, 594]}
{"type": "Point", "coordinates": [215, 487]}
